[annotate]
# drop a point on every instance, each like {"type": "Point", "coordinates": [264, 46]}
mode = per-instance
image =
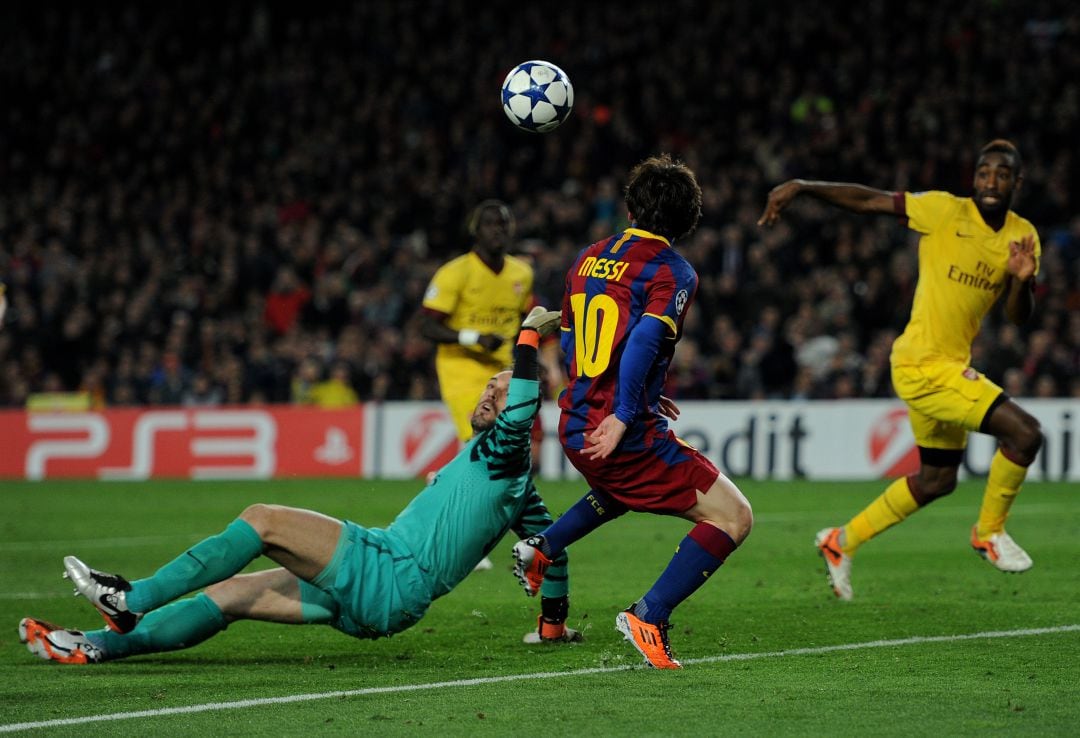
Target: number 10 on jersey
{"type": "Point", "coordinates": [595, 321]}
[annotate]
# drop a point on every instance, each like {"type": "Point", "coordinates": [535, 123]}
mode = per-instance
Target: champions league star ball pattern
{"type": "Point", "coordinates": [537, 96]}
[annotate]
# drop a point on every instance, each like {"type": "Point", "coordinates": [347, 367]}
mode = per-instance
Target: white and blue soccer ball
{"type": "Point", "coordinates": [537, 96]}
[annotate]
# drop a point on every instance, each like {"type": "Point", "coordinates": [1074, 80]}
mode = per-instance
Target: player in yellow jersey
{"type": "Point", "coordinates": [472, 310]}
{"type": "Point", "coordinates": [973, 251]}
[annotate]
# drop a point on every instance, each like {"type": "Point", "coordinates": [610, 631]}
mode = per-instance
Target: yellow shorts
{"type": "Point", "coordinates": [461, 382]}
{"type": "Point", "coordinates": [945, 400]}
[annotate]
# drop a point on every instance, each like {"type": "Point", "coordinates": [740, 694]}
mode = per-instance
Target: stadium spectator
{"type": "Point", "coordinates": [306, 378]}
{"type": "Point", "coordinates": [170, 382]}
{"type": "Point", "coordinates": [365, 582]}
{"type": "Point", "coordinates": [286, 300]}
{"type": "Point", "coordinates": [336, 390]}
{"type": "Point", "coordinates": [626, 302]}
{"type": "Point", "coordinates": [203, 393]}
{"type": "Point", "coordinates": [972, 251]}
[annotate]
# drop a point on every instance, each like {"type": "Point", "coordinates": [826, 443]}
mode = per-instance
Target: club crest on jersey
{"type": "Point", "coordinates": [680, 301]}
{"type": "Point", "coordinates": [971, 374]}
{"type": "Point", "coordinates": [432, 293]}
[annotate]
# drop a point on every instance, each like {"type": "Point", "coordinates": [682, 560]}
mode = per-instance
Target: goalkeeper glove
{"type": "Point", "coordinates": [543, 321]}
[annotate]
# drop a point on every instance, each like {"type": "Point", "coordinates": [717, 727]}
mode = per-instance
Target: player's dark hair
{"type": "Point", "coordinates": [499, 205]}
{"type": "Point", "coordinates": [1003, 146]}
{"type": "Point", "coordinates": [663, 197]}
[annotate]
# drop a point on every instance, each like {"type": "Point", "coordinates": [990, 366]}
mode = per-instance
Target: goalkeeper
{"type": "Point", "coordinates": [366, 582]}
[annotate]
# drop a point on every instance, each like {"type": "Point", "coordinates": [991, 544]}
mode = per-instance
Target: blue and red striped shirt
{"type": "Point", "coordinates": [623, 310]}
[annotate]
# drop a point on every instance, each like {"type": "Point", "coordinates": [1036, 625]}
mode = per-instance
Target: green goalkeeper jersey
{"type": "Point", "coordinates": [474, 500]}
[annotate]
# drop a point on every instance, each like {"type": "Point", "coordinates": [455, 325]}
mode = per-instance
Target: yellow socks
{"type": "Point", "coordinates": [894, 505]}
{"type": "Point", "coordinates": [1002, 485]}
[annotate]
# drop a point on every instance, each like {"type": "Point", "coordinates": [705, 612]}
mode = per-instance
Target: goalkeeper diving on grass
{"type": "Point", "coordinates": [365, 582]}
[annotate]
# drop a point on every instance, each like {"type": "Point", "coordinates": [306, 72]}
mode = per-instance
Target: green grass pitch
{"type": "Point", "coordinates": [920, 579]}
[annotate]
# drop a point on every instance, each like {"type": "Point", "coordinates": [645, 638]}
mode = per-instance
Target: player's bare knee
{"type": "Point", "coordinates": [742, 520]}
{"type": "Point", "coordinates": [224, 595]}
{"type": "Point", "coordinates": [1029, 440]}
{"type": "Point", "coordinates": [946, 488]}
{"type": "Point", "coordinates": [936, 488]}
{"type": "Point", "coordinates": [260, 516]}
{"type": "Point", "coordinates": [726, 506]}
{"type": "Point", "coordinates": [219, 593]}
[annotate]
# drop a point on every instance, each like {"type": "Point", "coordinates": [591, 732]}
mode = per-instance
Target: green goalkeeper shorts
{"type": "Point", "coordinates": [367, 590]}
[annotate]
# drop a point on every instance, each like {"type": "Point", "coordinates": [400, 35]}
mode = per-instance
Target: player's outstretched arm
{"type": "Point", "coordinates": [855, 198]}
{"type": "Point", "coordinates": [1019, 297]}
{"type": "Point", "coordinates": [523, 394]}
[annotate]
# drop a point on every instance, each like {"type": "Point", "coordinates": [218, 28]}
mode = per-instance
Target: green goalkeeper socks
{"type": "Point", "coordinates": [179, 625]}
{"type": "Point", "coordinates": [212, 560]}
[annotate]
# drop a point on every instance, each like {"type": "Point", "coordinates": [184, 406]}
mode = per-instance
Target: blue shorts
{"type": "Point", "coordinates": [369, 589]}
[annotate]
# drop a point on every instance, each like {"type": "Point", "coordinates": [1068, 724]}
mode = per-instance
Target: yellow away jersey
{"type": "Point", "coordinates": [961, 274]}
{"type": "Point", "coordinates": [477, 298]}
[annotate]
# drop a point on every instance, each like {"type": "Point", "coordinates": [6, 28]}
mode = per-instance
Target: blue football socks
{"type": "Point", "coordinates": [699, 554]}
{"type": "Point", "coordinates": [583, 517]}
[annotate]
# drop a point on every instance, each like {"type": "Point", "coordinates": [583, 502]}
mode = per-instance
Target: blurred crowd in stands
{"type": "Point", "coordinates": [243, 203]}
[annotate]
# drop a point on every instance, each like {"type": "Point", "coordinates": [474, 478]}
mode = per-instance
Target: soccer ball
{"type": "Point", "coordinates": [537, 96]}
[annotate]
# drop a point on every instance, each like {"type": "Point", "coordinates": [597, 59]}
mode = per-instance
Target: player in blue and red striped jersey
{"type": "Point", "coordinates": [623, 311]}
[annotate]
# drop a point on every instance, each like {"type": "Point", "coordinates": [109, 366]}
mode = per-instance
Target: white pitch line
{"type": "Point", "coordinates": [887, 643]}
{"type": "Point", "coordinates": [288, 699]}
